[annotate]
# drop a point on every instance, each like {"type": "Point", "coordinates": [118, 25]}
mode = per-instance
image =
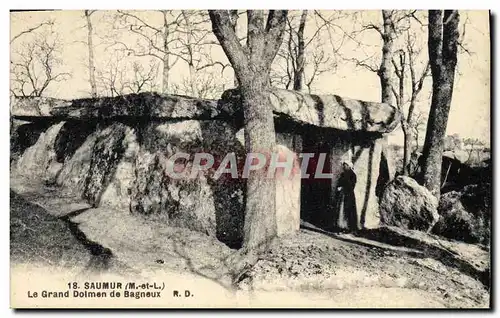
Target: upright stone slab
{"type": "Point", "coordinates": [72, 177]}
{"type": "Point", "coordinates": [366, 160]}
{"type": "Point", "coordinates": [288, 187]}
{"type": "Point", "coordinates": [117, 192]}
{"type": "Point", "coordinates": [202, 203]}
{"type": "Point", "coordinates": [38, 162]}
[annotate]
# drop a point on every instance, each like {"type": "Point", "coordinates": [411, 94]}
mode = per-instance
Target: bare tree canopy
{"type": "Point", "coordinates": [37, 65]}
{"type": "Point", "coordinates": [178, 37]}
{"type": "Point", "coordinates": [302, 57]}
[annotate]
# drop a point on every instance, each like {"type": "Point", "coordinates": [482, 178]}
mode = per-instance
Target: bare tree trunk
{"type": "Point", "coordinates": [234, 23]}
{"type": "Point", "coordinates": [400, 73]}
{"type": "Point", "coordinates": [406, 151]}
{"type": "Point", "coordinates": [260, 217]}
{"type": "Point", "coordinates": [93, 86]}
{"type": "Point", "coordinates": [443, 41]}
{"type": "Point", "coordinates": [385, 69]}
{"type": "Point", "coordinates": [189, 46]}
{"type": "Point", "coordinates": [166, 56]}
{"type": "Point", "coordinates": [165, 73]}
{"type": "Point", "coordinates": [298, 76]}
{"type": "Point", "coordinates": [252, 67]}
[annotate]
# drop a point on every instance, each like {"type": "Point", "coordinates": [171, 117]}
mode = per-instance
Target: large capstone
{"type": "Point", "coordinates": [326, 111]}
{"type": "Point", "coordinates": [142, 105]}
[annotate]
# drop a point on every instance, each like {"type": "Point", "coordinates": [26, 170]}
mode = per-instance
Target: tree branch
{"type": "Point", "coordinates": [222, 28]}
{"type": "Point", "coordinates": [49, 22]}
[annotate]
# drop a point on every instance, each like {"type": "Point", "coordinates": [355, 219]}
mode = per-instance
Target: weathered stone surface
{"type": "Point", "coordinates": [466, 214]}
{"type": "Point", "coordinates": [24, 134]}
{"type": "Point", "coordinates": [118, 190]}
{"type": "Point", "coordinates": [35, 162]}
{"type": "Point", "coordinates": [148, 105]}
{"type": "Point", "coordinates": [328, 111]}
{"type": "Point", "coordinates": [366, 161]}
{"type": "Point", "coordinates": [101, 170]}
{"type": "Point", "coordinates": [409, 205]}
{"type": "Point", "coordinates": [75, 170]}
{"type": "Point", "coordinates": [204, 204]}
{"type": "Point", "coordinates": [123, 167]}
{"type": "Point", "coordinates": [35, 106]}
{"type": "Point", "coordinates": [113, 152]}
{"type": "Point", "coordinates": [71, 136]}
{"type": "Point", "coordinates": [107, 153]}
{"type": "Point", "coordinates": [288, 187]}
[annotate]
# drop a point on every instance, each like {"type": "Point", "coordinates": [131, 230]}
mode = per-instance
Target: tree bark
{"type": "Point", "coordinates": [400, 73]}
{"type": "Point", "coordinates": [166, 56]}
{"type": "Point", "coordinates": [406, 151]}
{"type": "Point", "coordinates": [252, 67]}
{"type": "Point", "coordinates": [234, 23]}
{"type": "Point", "coordinates": [442, 45]}
{"type": "Point", "coordinates": [260, 217]}
{"type": "Point", "coordinates": [189, 48]}
{"type": "Point", "coordinates": [93, 86]}
{"type": "Point", "coordinates": [298, 76]}
{"type": "Point", "coordinates": [385, 69]}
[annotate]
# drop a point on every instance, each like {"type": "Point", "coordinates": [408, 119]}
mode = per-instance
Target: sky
{"type": "Point", "coordinates": [470, 109]}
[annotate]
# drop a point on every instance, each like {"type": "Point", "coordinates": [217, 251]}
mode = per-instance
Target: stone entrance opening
{"type": "Point", "coordinates": [316, 193]}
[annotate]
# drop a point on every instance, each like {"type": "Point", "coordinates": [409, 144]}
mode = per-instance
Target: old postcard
{"type": "Point", "coordinates": [250, 159]}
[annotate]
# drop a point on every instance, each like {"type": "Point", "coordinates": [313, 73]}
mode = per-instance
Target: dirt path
{"type": "Point", "coordinates": [299, 270]}
{"type": "Point", "coordinates": [313, 261]}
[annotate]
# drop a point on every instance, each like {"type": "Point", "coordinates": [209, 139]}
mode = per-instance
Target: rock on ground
{"type": "Point", "coordinates": [466, 214]}
{"type": "Point", "coordinates": [409, 205]}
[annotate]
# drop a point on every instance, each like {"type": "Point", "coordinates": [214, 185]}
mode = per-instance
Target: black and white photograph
{"type": "Point", "coordinates": [252, 158]}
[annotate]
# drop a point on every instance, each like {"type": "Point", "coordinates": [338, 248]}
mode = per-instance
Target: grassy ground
{"type": "Point", "coordinates": [38, 237]}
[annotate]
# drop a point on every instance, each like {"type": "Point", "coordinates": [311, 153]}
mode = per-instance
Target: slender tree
{"type": "Point", "coordinates": [93, 86]}
{"type": "Point", "coordinates": [384, 72]}
{"type": "Point", "coordinates": [442, 44]}
{"type": "Point", "coordinates": [298, 76]}
{"type": "Point", "coordinates": [407, 60]}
